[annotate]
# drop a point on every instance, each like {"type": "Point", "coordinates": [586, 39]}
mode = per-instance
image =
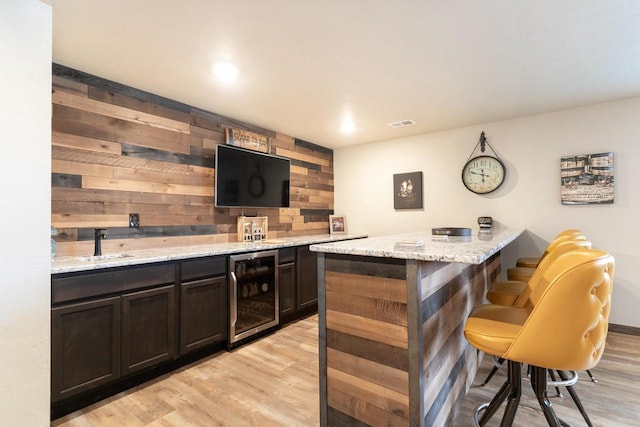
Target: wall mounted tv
{"type": "Point", "coordinates": [246, 178]}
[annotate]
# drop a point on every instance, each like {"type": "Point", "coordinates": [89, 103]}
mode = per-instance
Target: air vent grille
{"type": "Point", "coordinates": [402, 123]}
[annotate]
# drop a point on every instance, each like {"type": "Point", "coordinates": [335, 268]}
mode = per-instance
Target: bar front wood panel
{"type": "Point", "coordinates": [392, 350]}
{"type": "Point", "coordinates": [118, 150]}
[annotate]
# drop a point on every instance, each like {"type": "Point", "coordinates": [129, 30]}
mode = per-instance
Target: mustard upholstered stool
{"type": "Point", "coordinates": [516, 292]}
{"type": "Point", "coordinates": [532, 262]}
{"type": "Point", "coordinates": [523, 273]}
{"type": "Point", "coordinates": [547, 332]}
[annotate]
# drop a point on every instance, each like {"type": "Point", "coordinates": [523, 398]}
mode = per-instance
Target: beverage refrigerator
{"type": "Point", "coordinates": [253, 295]}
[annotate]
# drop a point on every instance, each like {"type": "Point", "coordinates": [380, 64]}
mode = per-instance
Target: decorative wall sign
{"type": "Point", "coordinates": [407, 190]}
{"type": "Point", "coordinates": [586, 179]}
{"type": "Point", "coordinates": [337, 224]}
{"type": "Point", "coordinates": [246, 139]}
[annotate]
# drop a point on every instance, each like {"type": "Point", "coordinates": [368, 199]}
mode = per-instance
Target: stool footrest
{"type": "Point", "coordinates": [476, 413]}
{"type": "Point", "coordinates": [565, 382]}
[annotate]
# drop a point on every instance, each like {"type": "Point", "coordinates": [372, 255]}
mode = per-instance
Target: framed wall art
{"type": "Point", "coordinates": [337, 224]}
{"type": "Point", "coordinates": [407, 190]}
{"type": "Point", "coordinates": [586, 179]}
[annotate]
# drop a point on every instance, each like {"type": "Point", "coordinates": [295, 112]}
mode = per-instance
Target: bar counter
{"type": "Point", "coordinates": [391, 316]}
{"type": "Point", "coordinates": [69, 264]}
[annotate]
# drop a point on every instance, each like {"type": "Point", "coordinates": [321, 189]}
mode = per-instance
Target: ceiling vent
{"type": "Point", "coordinates": [402, 123]}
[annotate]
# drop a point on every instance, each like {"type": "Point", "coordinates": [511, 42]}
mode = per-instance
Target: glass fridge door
{"type": "Point", "coordinates": [253, 294]}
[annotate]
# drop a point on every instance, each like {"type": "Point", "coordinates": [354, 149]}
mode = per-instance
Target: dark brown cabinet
{"type": "Point", "coordinates": [85, 346]}
{"type": "Point", "coordinates": [298, 283]}
{"type": "Point", "coordinates": [307, 283]}
{"type": "Point", "coordinates": [287, 283]}
{"type": "Point", "coordinates": [112, 326]}
{"type": "Point", "coordinates": [203, 313]}
{"type": "Point", "coordinates": [203, 303]}
{"type": "Point", "coordinates": [108, 324]}
{"type": "Point", "coordinates": [148, 328]}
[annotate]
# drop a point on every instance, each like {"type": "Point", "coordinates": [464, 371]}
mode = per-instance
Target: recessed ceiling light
{"type": "Point", "coordinates": [347, 127]}
{"type": "Point", "coordinates": [225, 72]}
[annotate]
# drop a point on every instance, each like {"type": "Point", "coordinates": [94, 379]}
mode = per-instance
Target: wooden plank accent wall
{"type": "Point", "coordinates": [118, 150]}
{"type": "Point", "coordinates": [392, 349]}
{"type": "Point", "coordinates": [449, 362]}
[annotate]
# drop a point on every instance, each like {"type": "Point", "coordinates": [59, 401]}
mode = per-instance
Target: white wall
{"type": "Point", "coordinates": [25, 182]}
{"type": "Point", "coordinates": [529, 199]}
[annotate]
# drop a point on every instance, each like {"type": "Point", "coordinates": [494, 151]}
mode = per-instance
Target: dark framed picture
{"type": "Point", "coordinates": [407, 190]}
{"type": "Point", "coordinates": [586, 179]}
{"type": "Point", "coordinates": [337, 224]}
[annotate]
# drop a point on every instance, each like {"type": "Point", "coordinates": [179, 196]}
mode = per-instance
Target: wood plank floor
{"type": "Point", "coordinates": [274, 382]}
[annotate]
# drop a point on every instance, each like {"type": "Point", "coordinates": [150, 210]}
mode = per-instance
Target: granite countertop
{"type": "Point", "coordinates": [68, 264]}
{"type": "Point", "coordinates": [473, 249]}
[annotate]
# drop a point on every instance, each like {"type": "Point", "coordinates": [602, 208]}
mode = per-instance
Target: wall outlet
{"type": "Point", "coordinates": [134, 220]}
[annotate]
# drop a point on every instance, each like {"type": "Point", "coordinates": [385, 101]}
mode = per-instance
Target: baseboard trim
{"type": "Point", "coordinates": [629, 330]}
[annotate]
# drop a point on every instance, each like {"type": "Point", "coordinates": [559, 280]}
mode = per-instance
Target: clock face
{"type": "Point", "coordinates": [483, 174]}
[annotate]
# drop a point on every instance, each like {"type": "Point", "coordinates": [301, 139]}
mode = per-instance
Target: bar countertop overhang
{"type": "Point", "coordinates": [473, 249]}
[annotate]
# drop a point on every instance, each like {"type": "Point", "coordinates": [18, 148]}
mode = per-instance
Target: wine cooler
{"type": "Point", "coordinates": [253, 294]}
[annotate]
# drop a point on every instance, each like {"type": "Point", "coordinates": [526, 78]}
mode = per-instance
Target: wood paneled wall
{"type": "Point", "coordinates": [392, 349]}
{"type": "Point", "coordinates": [117, 150]}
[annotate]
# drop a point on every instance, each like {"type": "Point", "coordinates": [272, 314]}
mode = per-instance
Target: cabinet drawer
{"type": "Point", "coordinates": [286, 255]}
{"type": "Point", "coordinates": [88, 285]}
{"type": "Point", "coordinates": [203, 267]}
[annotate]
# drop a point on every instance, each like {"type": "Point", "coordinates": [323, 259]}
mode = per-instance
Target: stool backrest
{"type": "Point", "coordinates": [570, 232]}
{"type": "Point", "coordinates": [565, 236]}
{"type": "Point", "coordinates": [567, 326]}
{"type": "Point", "coordinates": [525, 298]}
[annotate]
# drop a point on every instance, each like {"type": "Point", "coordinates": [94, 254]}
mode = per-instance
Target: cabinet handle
{"type": "Point", "coordinates": [234, 299]}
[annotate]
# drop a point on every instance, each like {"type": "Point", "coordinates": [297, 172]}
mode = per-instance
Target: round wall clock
{"type": "Point", "coordinates": [483, 174]}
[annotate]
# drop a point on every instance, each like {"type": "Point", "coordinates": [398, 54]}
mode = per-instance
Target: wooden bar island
{"type": "Point", "coordinates": [391, 320]}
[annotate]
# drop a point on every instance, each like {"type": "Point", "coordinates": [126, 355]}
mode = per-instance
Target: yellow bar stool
{"type": "Point", "coordinates": [516, 292]}
{"type": "Point", "coordinates": [532, 262]}
{"type": "Point", "coordinates": [523, 273]}
{"type": "Point", "coordinates": [547, 333]}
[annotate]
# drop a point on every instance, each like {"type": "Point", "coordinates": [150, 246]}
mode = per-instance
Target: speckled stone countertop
{"type": "Point", "coordinates": [70, 264]}
{"type": "Point", "coordinates": [473, 249]}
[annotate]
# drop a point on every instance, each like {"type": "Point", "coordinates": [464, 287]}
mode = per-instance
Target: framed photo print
{"type": "Point", "coordinates": [587, 179]}
{"type": "Point", "coordinates": [337, 224]}
{"type": "Point", "coordinates": [407, 190]}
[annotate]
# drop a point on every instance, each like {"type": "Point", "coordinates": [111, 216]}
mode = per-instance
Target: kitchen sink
{"type": "Point", "coordinates": [102, 257]}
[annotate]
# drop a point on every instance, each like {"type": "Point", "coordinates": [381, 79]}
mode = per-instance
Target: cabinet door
{"type": "Point", "coordinates": [287, 289]}
{"type": "Point", "coordinates": [307, 283]}
{"type": "Point", "coordinates": [148, 328]}
{"type": "Point", "coordinates": [203, 313]}
{"type": "Point", "coordinates": [85, 346]}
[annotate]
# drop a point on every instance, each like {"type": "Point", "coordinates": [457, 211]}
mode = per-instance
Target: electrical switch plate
{"type": "Point", "coordinates": [134, 220]}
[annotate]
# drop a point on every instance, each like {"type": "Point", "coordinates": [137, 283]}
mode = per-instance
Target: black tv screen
{"type": "Point", "coordinates": [246, 178]}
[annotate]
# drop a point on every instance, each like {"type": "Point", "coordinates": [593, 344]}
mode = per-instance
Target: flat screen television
{"type": "Point", "coordinates": [246, 178]}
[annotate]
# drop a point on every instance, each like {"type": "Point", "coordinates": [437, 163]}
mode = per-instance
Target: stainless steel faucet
{"type": "Point", "coordinates": [99, 235]}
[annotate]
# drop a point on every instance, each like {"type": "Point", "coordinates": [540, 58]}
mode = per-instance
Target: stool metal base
{"type": "Point", "coordinates": [511, 391]}
{"type": "Point", "coordinates": [565, 381]}
{"type": "Point", "coordinates": [571, 381]}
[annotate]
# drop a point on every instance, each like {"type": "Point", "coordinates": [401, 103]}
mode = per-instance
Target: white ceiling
{"type": "Point", "coordinates": [305, 64]}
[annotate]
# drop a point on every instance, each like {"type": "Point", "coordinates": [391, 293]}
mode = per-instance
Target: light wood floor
{"type": "Point", "coordinates": [274, 382]}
